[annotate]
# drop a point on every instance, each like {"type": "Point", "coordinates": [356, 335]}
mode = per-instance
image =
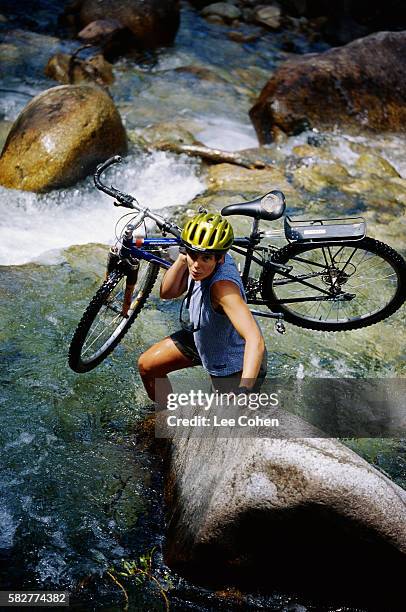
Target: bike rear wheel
{"type": "Point", "coordinates": [352, 284]}
{"type": "Point", "coordinates": [102, 325]}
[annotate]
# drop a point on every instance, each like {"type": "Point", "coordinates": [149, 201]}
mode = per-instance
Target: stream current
{"type": "Point", "coordinates": [77, 493]}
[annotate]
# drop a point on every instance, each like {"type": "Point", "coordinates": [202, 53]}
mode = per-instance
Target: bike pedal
{"type": "Point", "coordinates": [280, 327]}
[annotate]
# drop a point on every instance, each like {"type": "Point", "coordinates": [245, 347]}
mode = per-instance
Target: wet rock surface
{"type": "Point", "coordinates": [60, 137]}
{"type": "Point", "coordinates": [236, 504]}
{"type": "Point", "coordinates": [68, 69]}
{"type": "Point", "coordinates": [360, 86]}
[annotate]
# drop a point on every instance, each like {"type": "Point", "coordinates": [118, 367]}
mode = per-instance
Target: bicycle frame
{"type": "Point", "coordinates": [138, 248]}
{"type": "Point", "coordinates": [244, 246]}
{"type": "Point", "coordinates": [134, 250]}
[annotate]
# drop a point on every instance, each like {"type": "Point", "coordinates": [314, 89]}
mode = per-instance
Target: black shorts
{"type": "Point", "coordinates": [184, 341]}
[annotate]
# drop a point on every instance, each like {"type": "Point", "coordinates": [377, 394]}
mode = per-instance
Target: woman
{"type": "Point", "coordinates": [222, 334]}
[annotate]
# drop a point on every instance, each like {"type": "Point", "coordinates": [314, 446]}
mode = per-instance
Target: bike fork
{"type": "Point", "coordinates": [129, 266]}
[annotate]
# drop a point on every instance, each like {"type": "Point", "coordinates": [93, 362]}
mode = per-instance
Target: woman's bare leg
{"type": "Point", "coordinates": [160, 359]}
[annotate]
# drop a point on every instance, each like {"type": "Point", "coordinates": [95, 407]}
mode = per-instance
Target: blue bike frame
{"type": "Point", "coordinates": [138, 249]}
{"type": "Point", "coordinates": [140, 253]}
{"type": "Point", "coordinates": [132, 248]}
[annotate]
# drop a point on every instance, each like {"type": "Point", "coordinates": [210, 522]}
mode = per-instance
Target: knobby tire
{"type": "Point", "coordinates": [76, 361]}
{"type": "Point", "coordinates": [379, 249]}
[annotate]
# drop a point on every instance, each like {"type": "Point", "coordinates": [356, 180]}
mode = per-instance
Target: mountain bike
{"type": "Point", "coordinates": [329, 277]}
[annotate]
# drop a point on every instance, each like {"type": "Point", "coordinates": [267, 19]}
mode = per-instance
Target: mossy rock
{"type": "Point", "coordinates": [370, 164]}
{"type": "Point", "coordinates": [317, 177]}
{"type": "Point", "coordinates": [378, 189]}
{"type": "Point", "coordinates": [256, 182]}
{"type": "Point", "coordinates": [172, 133]}
{"type": "Point", "coordinates": [307, 150]}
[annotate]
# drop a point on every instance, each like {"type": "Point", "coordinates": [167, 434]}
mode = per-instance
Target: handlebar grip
{"type": "Point", "coordinates": [100, 169]}
{"type": "Point", "coordinates": [166, 226]}
{"type": "Point", "coordinates": [112, 160]}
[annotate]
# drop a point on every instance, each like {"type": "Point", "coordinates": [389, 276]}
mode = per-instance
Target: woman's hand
{"type": "Point", "coordinates": [174, 282]}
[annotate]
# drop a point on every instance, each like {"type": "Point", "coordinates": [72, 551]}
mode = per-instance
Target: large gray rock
{"type": "Point", "coordinates": [297, 513]}
{"type": "Point", "coordinates": [60, 137]}
{"type": "Point", "coordinates": [361, 87]}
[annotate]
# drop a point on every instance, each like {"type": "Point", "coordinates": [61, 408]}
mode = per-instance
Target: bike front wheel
{"type": "Point", "coordinates": [102, 325]}
{"type": "Point", "coordinates": [336, 286]}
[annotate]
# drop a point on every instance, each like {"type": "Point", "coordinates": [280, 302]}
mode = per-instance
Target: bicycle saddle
{"type": "Point", "coordinates": [270, 206]}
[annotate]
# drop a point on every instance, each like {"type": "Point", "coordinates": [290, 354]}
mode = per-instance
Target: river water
{"type": "Point", "coordinates": [77, 491]}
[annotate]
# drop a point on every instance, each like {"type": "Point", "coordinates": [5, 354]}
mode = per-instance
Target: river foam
{"type": "Point", "coordinates": [32, 225]}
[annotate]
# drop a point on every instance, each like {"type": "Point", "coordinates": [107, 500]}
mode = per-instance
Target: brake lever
{"type": "Point", "coordinates": [124, 205]}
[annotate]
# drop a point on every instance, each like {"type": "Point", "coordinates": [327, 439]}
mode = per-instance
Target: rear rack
{"type": "Point", "coordinates": [325, 230]}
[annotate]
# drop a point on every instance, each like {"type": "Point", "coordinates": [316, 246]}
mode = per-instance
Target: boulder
{"type": "Point", "coordinates": [59, 137]}
{"type": "Point", "coordinates": [361, 87]}
{"type": "Point", "coordinates": [152, 23]}
{"type": "Point", "coordinates": [306, 514]}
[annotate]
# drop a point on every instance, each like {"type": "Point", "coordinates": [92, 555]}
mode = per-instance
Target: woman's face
{"type": "Point", "coordinates": [201, 266]}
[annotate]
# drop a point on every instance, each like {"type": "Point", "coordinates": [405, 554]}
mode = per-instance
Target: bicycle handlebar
{"type": "Point", "coordinates": [129, 201]}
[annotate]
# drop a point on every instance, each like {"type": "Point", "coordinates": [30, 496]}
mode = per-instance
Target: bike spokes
{"type": "Point", "coordinates": [113, 315]}
{"type": "Point", "coordinates": [336, 284]}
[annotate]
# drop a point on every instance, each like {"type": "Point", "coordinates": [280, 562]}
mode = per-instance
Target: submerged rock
{"type": "Point", "coordinates": [152, 135]}
{"type": "Point", "coordinates": [228, 177]}
{"type": "Point", "coordinates": [378, 190]}
{"type": "Point", "coordinates": [153, 23]}
{"type": "Point", "coordinates": [292, 512]}
{"type": "Point", "coordinates": [71, 70]}
{"type": "Point", "coordinates": [59, 137]}
{"type": "Point", "coordinates": [361, 86]}
{"type": "Point", "coordinates": [316, 177]}
{"type": "Point", "coordinates": [368, 163]}
{"type": "Point", "coordinates": [226, 11]}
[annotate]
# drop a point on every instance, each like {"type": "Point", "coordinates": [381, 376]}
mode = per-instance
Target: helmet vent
{"type": "Point", "coordinates": [212, 240]}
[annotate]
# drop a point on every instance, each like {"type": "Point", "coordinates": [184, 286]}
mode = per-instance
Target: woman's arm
{"type": "Point", "coordinates": [174, 282]}
{"type": "Point", "coordinates": [227, 295]}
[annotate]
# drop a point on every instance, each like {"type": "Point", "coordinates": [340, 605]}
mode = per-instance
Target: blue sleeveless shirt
{"type": "Point", "coordinates": [220, 346]}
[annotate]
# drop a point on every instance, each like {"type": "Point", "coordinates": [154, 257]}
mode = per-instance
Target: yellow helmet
{"type": "Point", "coordinates": [207, 232]}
